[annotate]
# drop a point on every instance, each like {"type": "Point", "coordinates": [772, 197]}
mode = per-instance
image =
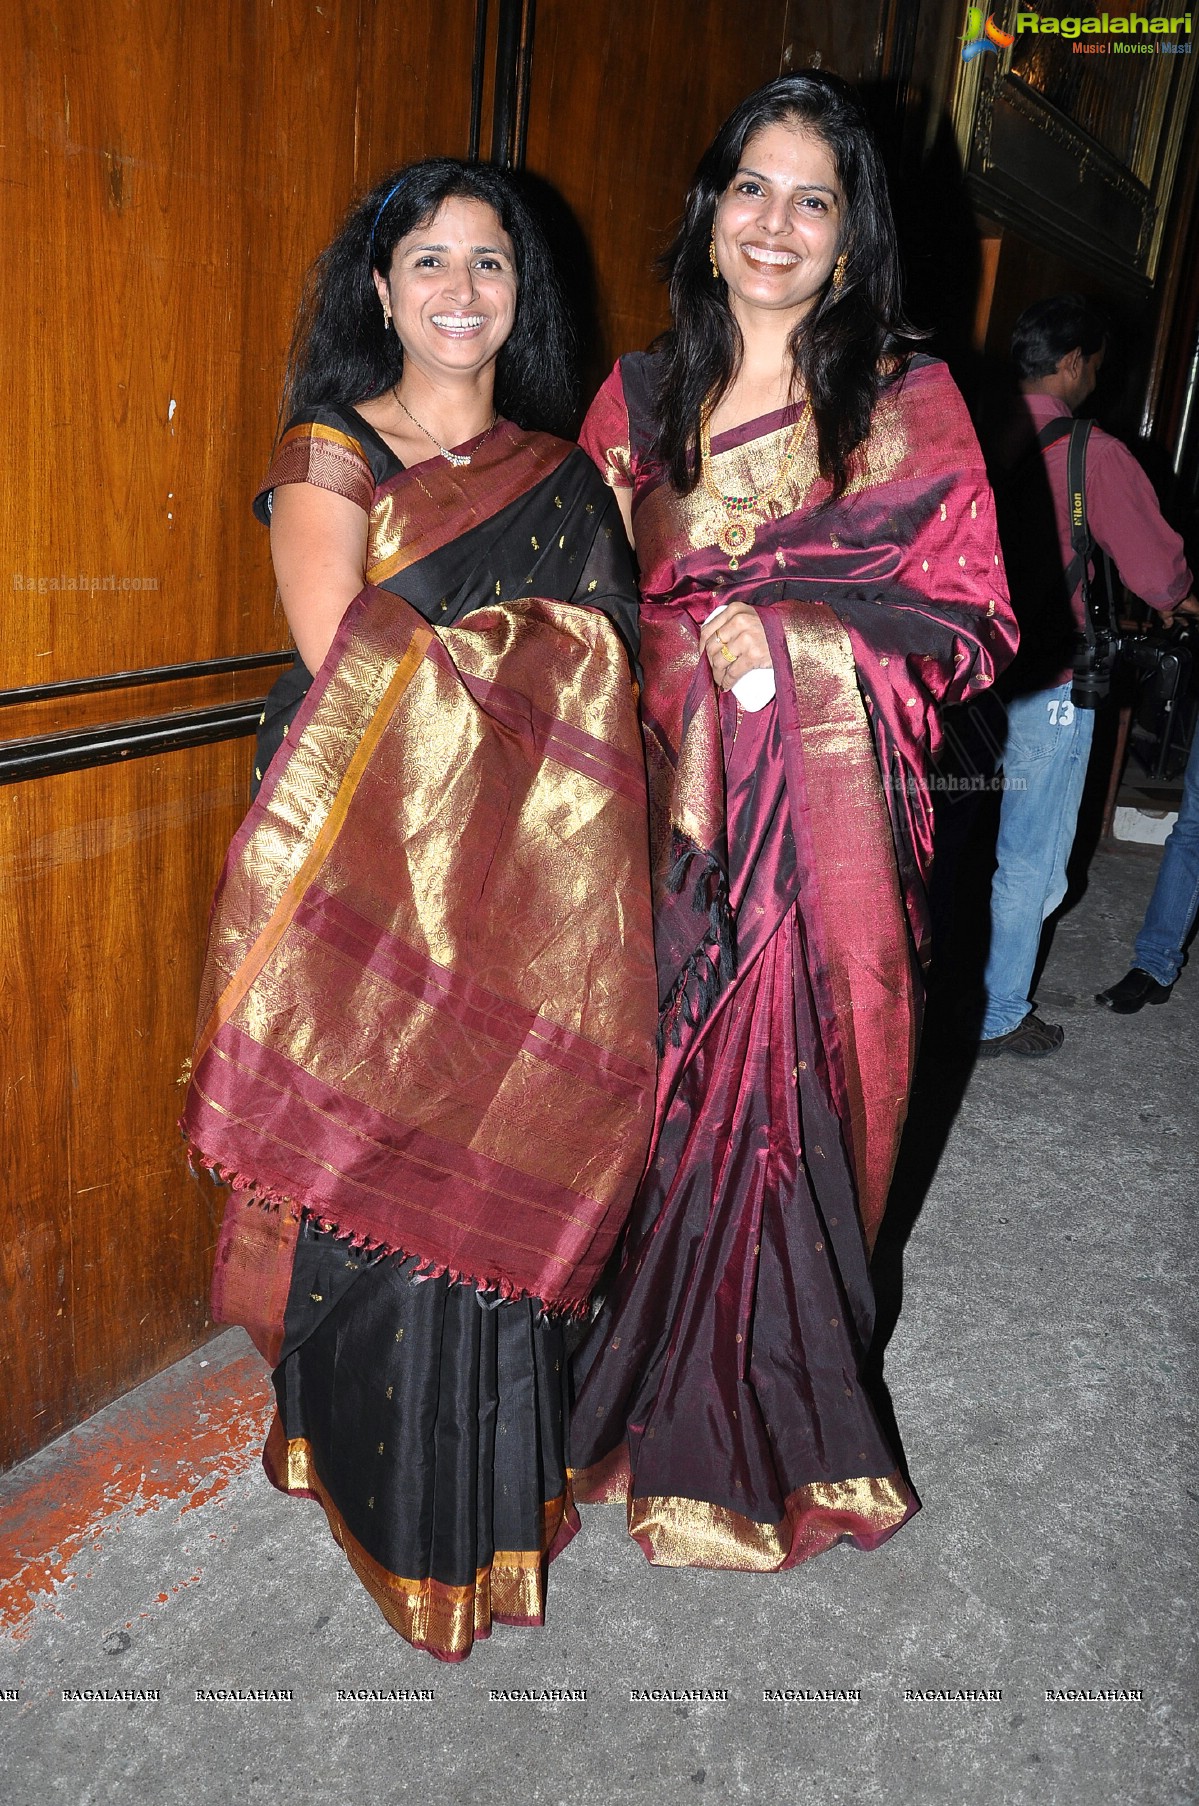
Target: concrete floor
{"type": "Point", "coordinates": [1041, 1373]}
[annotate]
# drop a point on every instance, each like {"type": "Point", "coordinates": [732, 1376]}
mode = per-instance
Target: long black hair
{"type": "Point", "coordinates": [342, 352]}
{"type": "Point", "coordinates": [838, 348]}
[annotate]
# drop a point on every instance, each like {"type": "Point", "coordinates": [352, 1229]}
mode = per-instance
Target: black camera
{"type": "Point", "coordinates": [1153, 667]}
{"type": "Point", "coordinates": [1155, 672]}
{"type": "Point", "coordinates": [1095, 656]}
{"type": "Point", "coordinates": [1160, 659]}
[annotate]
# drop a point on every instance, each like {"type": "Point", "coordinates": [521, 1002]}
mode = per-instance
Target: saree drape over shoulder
{"type": "Point", "coordinates": [719, 1392]}
{"type": "Point", "coordinates": [425, 1043]}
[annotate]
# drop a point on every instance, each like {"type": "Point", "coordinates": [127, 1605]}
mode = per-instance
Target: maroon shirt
{"type": "Point", "coordinates": [1123, 513]}
{"type": "Point", "coordinates": [1122, 510]}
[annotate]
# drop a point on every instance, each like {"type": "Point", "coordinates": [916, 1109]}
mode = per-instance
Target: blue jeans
{"type": "Point", "coordinates": [1044, 768]}
{"type": "Point", "coordinates": [1175, 899]}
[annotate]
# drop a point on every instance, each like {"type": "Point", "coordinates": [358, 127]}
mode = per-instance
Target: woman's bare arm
{"type": "Point", "coordinates": [318, 546]}
{"type": "Point", "coordinates": [624, 501]}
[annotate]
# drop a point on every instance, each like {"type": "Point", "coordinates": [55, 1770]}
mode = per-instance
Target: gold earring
{"type": "Point", "coordinates": [712, 256]}
{"type": "Point", "coordinates": [839, 272]}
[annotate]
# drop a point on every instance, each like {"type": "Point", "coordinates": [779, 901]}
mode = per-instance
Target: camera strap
{"type": "Point", "coordinates": [1080, 538]}
{"type": "Point", "coordinates": [1079, 431]}
{"type": "Point", "coordinates": [1078, 571]}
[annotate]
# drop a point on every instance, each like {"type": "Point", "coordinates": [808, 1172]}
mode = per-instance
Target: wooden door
{"type": "Point", "coordinates": [170, 172]}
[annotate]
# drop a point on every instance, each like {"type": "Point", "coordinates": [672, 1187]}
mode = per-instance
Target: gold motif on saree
{"type": "Point", "coordinates": [617, 468]}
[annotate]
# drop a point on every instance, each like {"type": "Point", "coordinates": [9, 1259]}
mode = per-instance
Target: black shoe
{"type": "Point", "coordinates": [1032, 1038]}
{"type": "Point", "coordinates": [1133, 992]}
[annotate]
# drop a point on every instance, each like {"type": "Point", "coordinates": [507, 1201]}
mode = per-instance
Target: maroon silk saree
{"type": "Point", "coordinates": [719, 1393]}
{"type": "Point", "coordinates": [425, 1048]}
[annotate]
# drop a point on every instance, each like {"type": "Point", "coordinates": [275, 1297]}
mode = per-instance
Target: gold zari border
{"type": "Point", "coordinates": [856, 886]}
{"type": "Point", "coordinates": [323, 839]}
{"type": "Point", "coordinates": [444, 1620]}
{"type": "Point", "coordinates": [691, 1533]}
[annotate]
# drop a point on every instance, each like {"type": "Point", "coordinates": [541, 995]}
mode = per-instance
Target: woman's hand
{"type": "Point", "coordinates": [734, 643]}
{"type": "Point", "coordinates": [318, 545]}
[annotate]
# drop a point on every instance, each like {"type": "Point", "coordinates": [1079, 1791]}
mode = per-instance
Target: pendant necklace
{"type": "Point", "coordinates": [746, 513]}
{"type": "Point", "coordinates": [457, 459]}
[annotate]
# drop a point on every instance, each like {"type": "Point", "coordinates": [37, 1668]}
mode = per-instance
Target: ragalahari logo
{"type": "Point", "coordinates": [978, 36]}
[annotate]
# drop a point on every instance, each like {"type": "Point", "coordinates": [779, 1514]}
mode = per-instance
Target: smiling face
{"type": "Point", "coordinates": [779, 224]}
{"type": "Point", "coordinates": [451, 290]}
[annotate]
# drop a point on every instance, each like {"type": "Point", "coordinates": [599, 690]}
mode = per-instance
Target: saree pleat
{"type": "Point", "coordinates": [431, 1426]}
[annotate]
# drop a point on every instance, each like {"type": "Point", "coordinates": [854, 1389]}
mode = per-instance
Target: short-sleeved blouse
{"type": "Point", "coordinates": [334, 448]}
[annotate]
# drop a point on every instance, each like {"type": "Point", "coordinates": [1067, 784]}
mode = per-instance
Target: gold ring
{"type": "Point", "coordinates": [731, 657]}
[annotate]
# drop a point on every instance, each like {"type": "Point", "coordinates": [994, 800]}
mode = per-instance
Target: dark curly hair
{"type": "Point", "coordinates": [839, 348]}
{"type": "Point", "coordinates": [341, 351]}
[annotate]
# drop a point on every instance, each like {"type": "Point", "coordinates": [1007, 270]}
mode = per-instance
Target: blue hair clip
{"type": "Point", "coordinates": [391, 192]}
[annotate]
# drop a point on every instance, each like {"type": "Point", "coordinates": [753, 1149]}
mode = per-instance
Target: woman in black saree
{"type": "Point", "coordinates": [433, 928]}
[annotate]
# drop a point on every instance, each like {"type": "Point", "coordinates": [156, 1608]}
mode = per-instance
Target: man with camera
{"type": "Point", "coordinates": [1056, 487]}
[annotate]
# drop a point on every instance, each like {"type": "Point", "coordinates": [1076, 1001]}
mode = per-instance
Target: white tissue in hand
{"type": "Point", "coordinates": [756, 688]}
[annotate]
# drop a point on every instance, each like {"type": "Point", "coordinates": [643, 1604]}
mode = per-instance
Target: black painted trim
{"type": "Point", "coordinates": [503, 108]}
{"type": "Point", "coordinates": [523, 80]}
{"type": "Point", "coordinates": [513, 63]}
{"type": "Point", "coordinates": [46, 755]}
{"type": "Point", "coordinates": [477, 71]}
{"type": "Point", "coordinates": [150, 674]}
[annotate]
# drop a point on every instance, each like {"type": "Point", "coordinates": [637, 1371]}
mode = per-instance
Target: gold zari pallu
{"type": "Point", "coordinates": [428, 1010]}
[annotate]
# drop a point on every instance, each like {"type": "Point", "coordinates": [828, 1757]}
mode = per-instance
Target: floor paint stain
{"type": "Point", "coordinates": [181, 1449]}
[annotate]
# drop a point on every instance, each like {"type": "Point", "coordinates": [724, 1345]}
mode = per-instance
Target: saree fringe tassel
{"type": "Point", "coordinates": [255, 1196]}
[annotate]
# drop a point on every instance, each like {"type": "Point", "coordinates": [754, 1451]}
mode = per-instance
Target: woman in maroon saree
{"type": "Point", "coordinates": [783, 457]}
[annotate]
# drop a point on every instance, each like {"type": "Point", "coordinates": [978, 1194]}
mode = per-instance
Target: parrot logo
{"type": "Point", "coordinates": [979, 37]}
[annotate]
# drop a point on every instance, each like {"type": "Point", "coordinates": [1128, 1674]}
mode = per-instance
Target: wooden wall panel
{"type": "Point", "coordinates": [170, 171]}
{"type": "Point", "coordinates": [624, 99]}
{"type": "Point", "coordinates": [105, 1238]}
{"type": "Point", "coordinates": [849, 38]}
{"type": "Point", "coordinates": [414, 84]}
{"type": "Point", "coordinates": [182, 166]}
{"type": "Point", "coordinates": [167, 199]}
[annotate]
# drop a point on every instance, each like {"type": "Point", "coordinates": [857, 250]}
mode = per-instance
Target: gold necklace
{"type": "Point", "coordinates": [457, 459]}
{"type": "Point", "coordinates": [740, 530]}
